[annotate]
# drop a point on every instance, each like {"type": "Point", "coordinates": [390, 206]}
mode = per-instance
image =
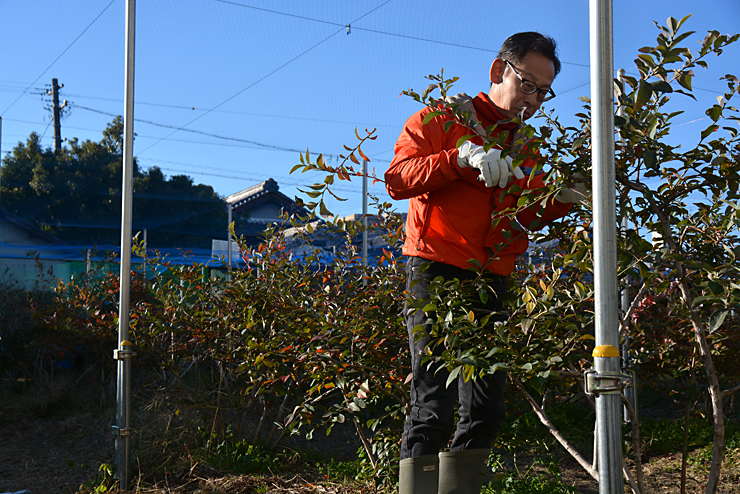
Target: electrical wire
{"type": "Point", "coordinates": [262, 78]}
{"type": "Point", "coordinates": [234, 112]}
{"type": "Point", "coordinates": [57, 58]}
{"type": "Point", "coordinates": [260, 145]}
{"type": "Point", "coordinates": [373, 30]}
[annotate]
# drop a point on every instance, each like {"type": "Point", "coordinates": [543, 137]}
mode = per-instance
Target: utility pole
{"type": "Point", "coordinates": [55, 87]}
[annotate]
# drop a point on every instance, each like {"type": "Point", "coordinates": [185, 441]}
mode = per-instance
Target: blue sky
{"type": "Point", "coordinates": [228, 92]}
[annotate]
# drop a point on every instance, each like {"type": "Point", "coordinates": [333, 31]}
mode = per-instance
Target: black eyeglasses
{"type": "Point", "coordinates": [529, 87]}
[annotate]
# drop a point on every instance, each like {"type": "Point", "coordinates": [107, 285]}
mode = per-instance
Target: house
{"type": "Point", "coordinates": [20, 243]}
{"type": "Point", "coordinates": [254, 209]}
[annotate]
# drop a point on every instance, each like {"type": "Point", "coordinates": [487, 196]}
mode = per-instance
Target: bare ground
{"type": "Point", "coordinates": [50, 450]}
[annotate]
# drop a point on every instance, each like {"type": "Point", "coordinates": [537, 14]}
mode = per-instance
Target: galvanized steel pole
{"type": "Point", "coordinates": [229, 209]}
{"type": "Point", "coordinates": [1, 158]}
{"type": "Point", "coordinates": [626, 297]}
{"type": "Point", "coordinates": [364, 218]}
{"type": "Point", "coordinates": [606, 354]}
{"type": "Point", "coordinates": [123, 354]}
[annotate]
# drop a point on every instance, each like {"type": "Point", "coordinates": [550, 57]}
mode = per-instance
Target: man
{"type": "Point", "coordinates": [453, 194]}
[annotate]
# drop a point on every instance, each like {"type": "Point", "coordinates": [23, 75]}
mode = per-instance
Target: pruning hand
{"type": "Point", "coordinates": [465, 103]}
{"type": "Point", "coordinates": [494, 168]}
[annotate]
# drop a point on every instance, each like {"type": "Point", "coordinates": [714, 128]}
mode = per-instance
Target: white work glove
{"type": "Point", "coordinates": [494, 169]}
{"type": "Point", "coordinates": [465, 103]}
{"type": "Point", "coordinates": [577, 193]}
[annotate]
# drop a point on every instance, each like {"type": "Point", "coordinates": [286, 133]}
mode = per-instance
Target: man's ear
{"type": "Point", "coordinates": [497, 71]}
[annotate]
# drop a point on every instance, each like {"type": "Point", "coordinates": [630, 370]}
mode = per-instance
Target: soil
{"type": "Point", "coordinates": [52, 454]}
{"type": "Point", "coordinates": [60, 447]}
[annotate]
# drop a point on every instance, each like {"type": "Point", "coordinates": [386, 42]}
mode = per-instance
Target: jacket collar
{"type": "Point", "coordinates": [488, 114]}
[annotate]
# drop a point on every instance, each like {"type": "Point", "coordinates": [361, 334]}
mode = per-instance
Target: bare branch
{"type": "Point", "coordinates": [635, 443]}
{"type": "Point", "coordinates": [633, 305]}
{"type": "Point", "coordinates": [729, 392]}
{"type": "Point", "coordinates": [554, 431]}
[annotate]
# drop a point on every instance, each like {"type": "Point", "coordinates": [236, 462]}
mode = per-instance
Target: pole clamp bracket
{"type": "Point", "coordinates": [122, 431]}
{"type": "Point", "coordinates": [125, 352]}
{"type": "Point", "coordinates": [605, 383]}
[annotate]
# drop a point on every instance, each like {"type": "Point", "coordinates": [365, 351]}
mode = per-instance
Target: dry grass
{"type": "Point", "coordinates": [53, 439]}
{"type": "Point", "coordinates": [203, 483]}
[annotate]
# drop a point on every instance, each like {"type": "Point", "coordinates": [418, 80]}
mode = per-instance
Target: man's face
{"type": "Point", "coordinates": [506, 93]}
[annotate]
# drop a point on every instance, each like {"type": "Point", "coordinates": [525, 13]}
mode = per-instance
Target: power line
{"type": "Point", "coordinates": [234, 112]}
{"type": "Point", "coordinates": [190, 141]}
{"type": "Point", "coordinates": [57, 58]}
{"type": "Point", "coordinates": [243, 176]}
{"type": "Point", "coordinates": [262, 78]}
{"type": "Point", "coordinates": [237, 94]}
{"type": "Point", "coordinates": [260, 145]}
{"type": "Point", "coordinates": [373, 30]}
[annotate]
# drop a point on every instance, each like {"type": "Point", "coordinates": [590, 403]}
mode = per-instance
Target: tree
{"type": "Point", "coordinates": [693, 209]}
{"type": "Point", "coordinates": [76, 195]}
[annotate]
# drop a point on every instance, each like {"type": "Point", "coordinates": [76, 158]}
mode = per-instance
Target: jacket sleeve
{"type": "Point", "coordinates": [424, 158]}
{"type": "Point", "coordinates": [539, 215]}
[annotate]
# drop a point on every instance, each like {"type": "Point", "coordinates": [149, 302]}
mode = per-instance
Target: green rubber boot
{"type": "Point", "coordinates": [463, 472]}
{"type": "Point", "coordinates": [418, 475]}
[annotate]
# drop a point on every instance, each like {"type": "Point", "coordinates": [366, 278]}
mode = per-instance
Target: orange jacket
{"type": "Point", "coordinates": [449, 218]}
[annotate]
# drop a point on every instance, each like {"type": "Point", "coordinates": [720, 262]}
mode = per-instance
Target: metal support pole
{"type": "Point", "coordinates": [364, 217]}
{"type": "Point", "coordinates": [145, 252]}
{"type": "Point", "coordinates": [123, 354]}
{"type": "Point", "coordinates": [626, 299]}
{"type": "Point", "coordinates": [229, 209]}
{"type": "Point", "coordinates": [1, 159]}
{"type": "Point", "coordinates": [606, 355]}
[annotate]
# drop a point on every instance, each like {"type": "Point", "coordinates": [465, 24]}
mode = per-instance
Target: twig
{"type": "Point", "coordinates": [635, 302]}
{"type": "Point", "coordinates": [366, 445]}
{"type": "Point", "coordinates": [729, 392]}
{"type": "Point", "coordinates": [635, 444]}
{"type": "Point", "coordinates": [553, 430]}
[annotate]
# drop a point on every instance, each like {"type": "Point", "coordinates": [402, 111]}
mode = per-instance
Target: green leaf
{"type": "Point", "coordinates": [672, 25]}
{"type": "Point", "coordinates": [717, 289]}
{"type": "Point", "coordinates": [494, 351]}
{"type": "Point", "coordinates": [662, 87]}
{"type": "Point", "coordinates": [650, 157]}
{"type": "Point", "coordinates": [463, 139]}
{"type": "Point", "coordinates": [497, 367]}
{"type": "Point", "coordinates": [682, 36]}
{"type": "Point", "coordinates": [431, 115]}
{"type": "Point", "coordinates": [683, 19]}
{"type": "Point", "coordinates": [580, 289]}
{"type": "Point", "coordinates": [705, 133]}
{"type": "Point", "coordinates": [644, 92]}
{"type": "Point", "coordinates": [322, 209]}
{"type": "Point", "coordinates": [716, 320]}
{"type": "Point", "coordinates": [453, 376]}
{"type": "Point", "coordinates": [714, 112]}
{"type": "Point", "coordinates": [700, 300]}
{"type": "Point", "coordinates": [653, 128]}
{"type": "Point", "coordinates": [685, 80]}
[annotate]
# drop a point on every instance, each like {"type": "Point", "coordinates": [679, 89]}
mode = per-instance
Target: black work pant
{"type": "Point", "coordinates": [482, 407]}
